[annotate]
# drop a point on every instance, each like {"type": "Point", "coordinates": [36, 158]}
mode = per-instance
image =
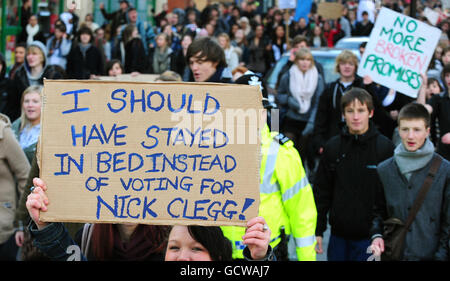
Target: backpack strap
{"type": "Point", "coordinates": [436, 163]}
{"type": "Point", "coordinates": [86, 238]}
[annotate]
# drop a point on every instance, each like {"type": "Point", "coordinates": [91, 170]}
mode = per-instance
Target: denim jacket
{"type": "Point", "coordinates": [55, 242]}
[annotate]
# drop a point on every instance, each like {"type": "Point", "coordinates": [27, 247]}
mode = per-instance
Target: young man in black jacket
{"type": "Point", "coordinates": [347, 179]}
{"type": "Point", "coordinates": [329, 119]}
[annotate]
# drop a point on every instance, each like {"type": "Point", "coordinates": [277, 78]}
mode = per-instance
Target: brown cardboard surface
{"type": "Point", "coordinates": [330, 11]}
{"type": "Point", "coordinates": [101, 166]}
{"type": "Point", "coordinates": [130, 78]}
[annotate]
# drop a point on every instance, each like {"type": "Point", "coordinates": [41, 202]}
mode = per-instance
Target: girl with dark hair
{"type": "Point", "coordinates": [260, 52]}
{"type": "Point", "coordinates": [84, 60]}
{"type": "Point", "coordinates": [197, 243]}
{"type": "Point", "coordinates": [134, 50]}
{"type": "Point", "coordinates": [114, 67]}
{"type": "Point", "coordinates": [279, 46]}
{"type": "Point", "coordinates": [317, 38]}
{"type": "Point", "coordinates": [178, 60]}
{"type": "Point", "coordinates": [58, 46]}
{"type": "Point", "coordinates": [207, 243]}
{"type": "Point", "coordinates": [142, 242]}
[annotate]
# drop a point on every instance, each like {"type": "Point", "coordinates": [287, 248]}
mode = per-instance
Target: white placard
{"type": "Point", "coordinates": [432, 16]}
{"type": "Point", "coordinates": [399, 50]}
{"type": "Point", "coordinates": [287, 4]}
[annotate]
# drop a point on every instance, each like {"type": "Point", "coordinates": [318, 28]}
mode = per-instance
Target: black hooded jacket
{"type": "Point", "coordinates": [347, 182]}
{"type": "Point", "coordinates": [4, 84]}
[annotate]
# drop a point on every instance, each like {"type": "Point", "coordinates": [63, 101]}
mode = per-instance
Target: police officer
{"type": "Point", "coordinates": [286, 197]}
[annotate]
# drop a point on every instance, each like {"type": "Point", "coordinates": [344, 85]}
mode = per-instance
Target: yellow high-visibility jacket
{"type": "Point", "coordinates": [286, 198]}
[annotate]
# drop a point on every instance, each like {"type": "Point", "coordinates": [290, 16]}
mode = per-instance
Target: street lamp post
{"type": "Point", "coordinates": [413, 8]}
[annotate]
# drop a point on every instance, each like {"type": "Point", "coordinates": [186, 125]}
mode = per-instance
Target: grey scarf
{"type": "Point", "coordinates": [161, 60]}
{"type": "Point", "coordinates": [408, 162]}
{"type": "Point", "coordinates": [84, 48]}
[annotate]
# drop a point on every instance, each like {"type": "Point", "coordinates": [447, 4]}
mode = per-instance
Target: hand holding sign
{"type": "Point", "coordinates": [37, 202]}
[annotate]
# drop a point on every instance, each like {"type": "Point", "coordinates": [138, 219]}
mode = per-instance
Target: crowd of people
{"type": "Point", "coordinates": [349, 154]}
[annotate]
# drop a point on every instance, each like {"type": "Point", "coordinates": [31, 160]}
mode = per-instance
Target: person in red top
{"type": "Point", "coordinates": [330, 32]}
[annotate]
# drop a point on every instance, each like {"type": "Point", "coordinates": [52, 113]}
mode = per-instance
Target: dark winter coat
{"type": "Point", "coordinates": [347, 182]}
{"type": "Point", "coordinates": [81, 67]}
{"type": "Point", "coordinates": [428, 237]}
{"type": "Point", "coordinates": [135, 56]}
{"type": "Point", "coordinates": [441, 116]}
{"type": "Point", "coordinates": [4, 85]}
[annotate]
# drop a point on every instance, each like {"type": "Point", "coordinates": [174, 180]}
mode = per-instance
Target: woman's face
{"type": "Point", "coordinates": [58, 33]}
{"type": "Point", "coordinates": [259, 31]}
{"type": "Point", "coordinates": [161, 41]}
{"type": "Point", "coordinates": [434, 88]}
{"type": "Point", "coordinates": [187, 40]}
{"type": "Point", "coordinates": [239, 35]}
{"type": "Point", "coordinates": [304, 64]}
{"type": "Point", "coordinates": [317, 30]}
{"type": "Point", "coordinates": [115, 70]}
{"type": "Point", "coordinates": [447, 80]}
{"type": "Point", "coordinates": [278, 17]}
{"type": "Point", "coordinates": [32, 107]}
{"type": "Point", "coordinates": [182, 247]}
{"type": "Point", "coordinates": [85, 38]}
{"type": "Point", "coordinates": [33, 21]}
{"type": "Point", "coordinates": [209, 28]}
{"type": "Point", "coordinates": [100, 33]}
{"type": "Point", "coordinates": [34, 58]}
{"type": "Point", "coordinates": [223, 42]}
{"type": "Point", "coordinates": [19, 54]}
{"type": "Point", "coordinates": [279, 32]}
{"type": "Point", "coordinates": [234, 28]}
{"type": "Point", "coordinates": [192, 17]}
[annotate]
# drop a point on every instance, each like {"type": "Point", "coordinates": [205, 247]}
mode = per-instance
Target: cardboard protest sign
{"type": "Point", "coordinates": [150, 153]}
{"type": "Point", "coordinates": [399, 50]}
{"type": "Point", "coordinates": [330, 11]}
{"type": "Point", "coordinates": [129, 77]}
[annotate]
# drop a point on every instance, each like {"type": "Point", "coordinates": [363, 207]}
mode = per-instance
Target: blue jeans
{"type": "Point", "coordinates": [340, 249]}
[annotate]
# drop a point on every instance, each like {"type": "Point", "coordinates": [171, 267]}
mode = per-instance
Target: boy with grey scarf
{"type": "Point", "coordinates": [402, 177]}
